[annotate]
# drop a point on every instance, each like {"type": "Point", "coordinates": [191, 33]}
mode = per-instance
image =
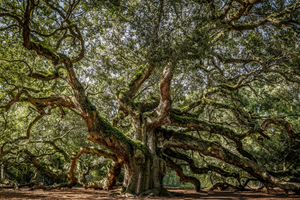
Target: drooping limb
{"type": "Point", "coordinates": [214, 149]}
{"type": "Point", "coordinates": [219, 185]}
{"type": "Point", "coordinates": [204, 170]}
{"type": "Point", "coordinates": [182, 176]}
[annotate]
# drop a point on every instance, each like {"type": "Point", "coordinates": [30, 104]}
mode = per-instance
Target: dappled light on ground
{"type": "Point", "coordinates": [81, 193]}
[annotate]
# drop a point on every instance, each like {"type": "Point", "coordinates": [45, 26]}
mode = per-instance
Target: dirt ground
{"type": "Point", "coordinates": [82, 194]}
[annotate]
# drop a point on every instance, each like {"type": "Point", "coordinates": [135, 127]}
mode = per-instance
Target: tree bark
{"type": "Point", "coordinates": [146, 174]}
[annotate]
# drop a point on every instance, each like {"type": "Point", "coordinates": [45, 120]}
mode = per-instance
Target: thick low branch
{"type": "Point", "coordinates": [43, 169]}
{"type": "Point", "coordinates": [53, 100]}
{"type": "Point", "coordinates": [181, 121]}
{"type": "Point", "coordinates": [180, 173]}
{"type": "Point", "coordinates": [113, 171]}
{"type": "Point", "coordinates": [197, 170]}
{"type": "Point", "coordinates": [72, 179]}
{"type": "Point", "coordinates": [214, 149]}
{"type": "Point", "coordinates": [219, 185]}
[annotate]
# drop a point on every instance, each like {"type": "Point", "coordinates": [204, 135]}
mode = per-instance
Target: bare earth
{"type": "Point", "coordinates": [81, 193]}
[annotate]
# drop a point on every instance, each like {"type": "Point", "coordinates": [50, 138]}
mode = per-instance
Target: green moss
{"type": "Point", "coordinates": [190, 114]}
{"type": "Point", "coordinates": [215, 89]}
{"type": "Point", "coordinates": [46, 50]}
{"type": "Point", "coordinates": [129, 132]}
{"type": "Point", "coordinates": [118, 135]}
{"type": "Point", "coordinates": [185, 108]}
{"type": "Point", "coordinates": [218, 127]}
{"type": "Point", "coordinates": [153, 97]}
{"type": "Point", "coordinates": [109, 164]}
{"type": "Point", "coordinates": [138, 75]}
{"type": "Point", "coordinates": [140, 146]}
{"type": "Point", "coordinates": [121, 91]}
{"type": "Point", "coordinates": [63, 56]}
{"type": "Point", "coordinates": [182, 119]}
{"type": "Point", "coordinates": [176, 111]}
{"type": "Point", "coordinates": [182, 113]}
{"type": "Point", "coordinates": [90, 106]}
{"type": "Point", "coordinates": [119, 115]}
{"type": "Point", "coordinates": [183, 137]}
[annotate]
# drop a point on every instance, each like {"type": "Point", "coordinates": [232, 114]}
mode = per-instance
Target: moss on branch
{"type": "Point", "coordinates": [138, 75]}
{"type": "Point", "coordinates": [196, 170]}
{"type": "Point", "coordinates": [48, 77]}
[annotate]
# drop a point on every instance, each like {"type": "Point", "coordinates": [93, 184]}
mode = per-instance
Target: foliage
{"type": "Point", "coordinates": [207, 73]}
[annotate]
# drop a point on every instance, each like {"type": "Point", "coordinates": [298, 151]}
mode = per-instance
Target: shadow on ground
{"type": "Point", "coordinates": [82, 194]}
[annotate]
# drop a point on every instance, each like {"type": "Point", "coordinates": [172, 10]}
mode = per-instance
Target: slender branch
{"type": "Point", "coordinates": [32, 124]}
{"type": "Point", "coordinates": [274, 18]}
{"type": "Point", "coordinates": [55, 31]}
{"type": "Point", "coordinates": [12, 16]}
{"type": "Point", "coordinates": [9, 27]}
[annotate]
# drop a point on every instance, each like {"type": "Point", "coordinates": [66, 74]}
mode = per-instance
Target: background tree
{"type": "Point", "coordinates": [228, 87]}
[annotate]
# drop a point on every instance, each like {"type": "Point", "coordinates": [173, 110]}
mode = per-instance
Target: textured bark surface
{"type": "Point", "coordinates": [147, 148]}
{"type": "Point", "coordinates": [147, 173]}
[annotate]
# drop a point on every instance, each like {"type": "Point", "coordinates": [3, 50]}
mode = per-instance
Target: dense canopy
{"type": "Point", "coordinates": [125, 90]}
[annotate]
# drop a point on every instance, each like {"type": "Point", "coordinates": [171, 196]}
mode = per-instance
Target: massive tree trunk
{"type": "Point", "coordinates": [146, 171]}
{"type": "Point", "coordinates": [145, 176]}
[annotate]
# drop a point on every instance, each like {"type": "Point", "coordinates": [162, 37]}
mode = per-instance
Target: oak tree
{"type": "Point", "coordinates": [152, 80]}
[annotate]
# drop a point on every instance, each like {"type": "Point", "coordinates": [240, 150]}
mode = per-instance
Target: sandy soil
{"type": "Point", "coordinates": [82, 194]}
